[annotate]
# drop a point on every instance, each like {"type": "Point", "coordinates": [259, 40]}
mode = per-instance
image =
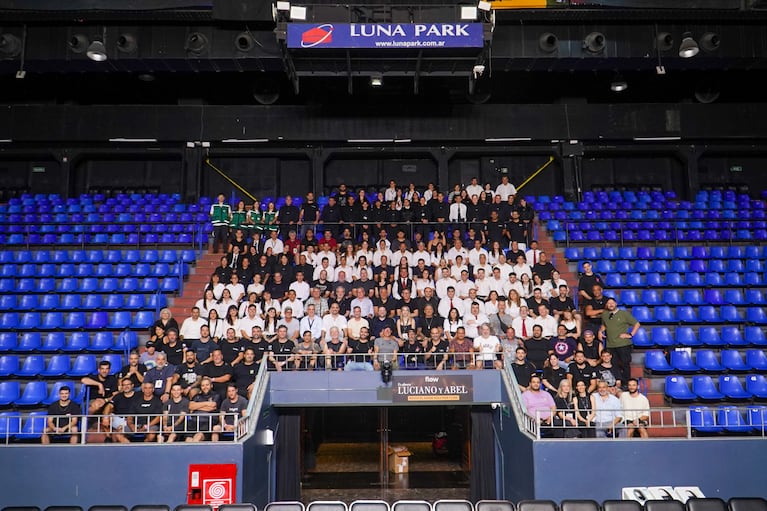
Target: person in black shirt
{"type": "Point", "coordinates": [436, 350]}
{"type": "Point", "coordinates": [384, 300]}
{"type": "Point", "coordinates": [543, 267]}
{"type": "Point", "coordinates": [413, 352]}
{"type": "Point", "coordinates": [146, 405]}
{"type": "Point", "coordinates": [281, 352]}
{"type": "Point", "coordinates": [278, 287]}
{"type": "Point", "coordinates": [381, 321]}
{"type": "Point", "coordinates": [188, 375]}
{"type": "Point", "coordinates": [62, 427]}
{"type": "Point", "coordinates": [245, 372]}
{"type": "Point", "coordinates": [580, 370]}
{"type": "Point", "coordinates": [101, 386]}
{"type": "Point", "coordinates": [260, 345]}
{"type": "Point", "coordinates": [175, 414]}
{"type": "Point", "coordinates": [561, 303]}
{"type": "Point", "coordinates": [218, 372]}
{"type": "Point", "coordinates": [587, 281]}
{"type": "Point", "coordinates": [523, 369]}
{"type": "Point", "coordinates": [173, 349]}
{"type": "Point", "coordinates": [514, 252]}
{"type": "Point", "coordinates": [119, 408]}
{"type": "Point", "coordinates": [360, 351]}
{"type": "Point", "coordinates": [202, 407]}
{"type": "Point", "coordinates": [330, 216]}
{"type": "Point", "coordinates": [536, 301]}
{"type": "Point", "coordinates": [288, 216]}
{"type": "Point", "coordinates": [517, 229]}
{"type": "Point", "coordinates": [263, 268]}
{"type": "Point", "coordinates": [342, 196]}
{"type": "Point", "coordinates": [594, 308]}
{"type": "Point", "coordinates": [553, 373]}
{"type": "Point", "coordinates": [538, 347]}
{"type": "Point", "coordinates": [497, 230]}
{"type": "Point", "coordinates": [134, 370]}
{"type": "Point", "coordinates": [427, 320]}
{"type": "Point", "coordinates": [223, 271]}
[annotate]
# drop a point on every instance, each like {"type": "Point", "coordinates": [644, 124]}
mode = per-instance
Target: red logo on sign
{"type": "Point", "coordinates": [217, 492]}
{"type": "Point", "coordinates": [322, 34]}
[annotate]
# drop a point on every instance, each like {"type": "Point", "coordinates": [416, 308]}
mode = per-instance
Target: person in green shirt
{"type": "Point", "coordinates": [255, 220]}
{"type": "Point", "coordinates": [618, 329]}
{"type": "Point", "coordinates": [239, 217]}
{"type": "Point", "coordinates": [220, 214]}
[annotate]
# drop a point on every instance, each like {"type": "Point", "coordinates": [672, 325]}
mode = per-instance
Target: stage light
{"type": "Point", "coordinates": [196, 43]}
{"type": "Point", "coordinates": [595, 42]}
{"type": "Point", "coordinates": [688, 48]}
{"type": "Point", "coordinates": [468, 12]}
{"type": "Point", "coordinates": [126, 43]}
{"type": "Point", "coordinates": [244, 42]}
{"type": "Point", "coordinates": [97, 51]}
{"type": "Point", "coordinates": [297, 13]}
{"type": "Point", "coordinates": [710, 41]}
{"type": "Point", "coordinates": [376, 80]}
{"type": "Point", "coordinates": [386, 371]}
{"type": "Point", "coordinates": [618, 84]}
{"type": "Point", "coordinates": [664, 41]}
{"type": "Point", "coordinates": [78, 43]}
{"type": "Point", "coordinates": [548, 42]}
{"type": "Point", "coordinates": [10, 45]}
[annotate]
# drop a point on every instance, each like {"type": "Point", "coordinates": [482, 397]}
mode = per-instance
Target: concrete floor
{"type": "Point", "coordinates": [350, 471]}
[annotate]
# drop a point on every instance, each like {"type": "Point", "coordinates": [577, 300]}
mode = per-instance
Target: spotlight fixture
{"type": "Point", "coordinates": [78, 43]}
{"type": "Point", "coordinates": [664, 41]}
{"type": "Point", "coordinates": [618, 84]}
{"type": "Point", "coordinates": [297, 13]}
{"type": "Point", "coordinates": [548, 42]}
{"type": "Point", "coordinates": [196, 43]}
{"type": "Point", "coordinates": [376, 80]}
{"type": "Point", "coordinates": [97, 51]}
{"type": "Point", "coordinates": [10, 46]}
{"type": "Point", "coordinates": [244, 42]}
{"type": "Point", "coordinates": [595, 42]}
{"type": "Point", "coordinates": [126, 43]}
{"type": "Point", "coordinates": [386, 371]}
{"type": "Point", "coordinates": [710, 41]}
{"type": "Point", "coordinates": [688, 48]}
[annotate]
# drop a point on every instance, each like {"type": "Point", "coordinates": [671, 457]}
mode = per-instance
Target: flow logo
{"type": "Point", "coordinates": [317, 36]}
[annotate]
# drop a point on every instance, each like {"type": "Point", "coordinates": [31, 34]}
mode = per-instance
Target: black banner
{"type": "Point", "coordinates": [430, 388]}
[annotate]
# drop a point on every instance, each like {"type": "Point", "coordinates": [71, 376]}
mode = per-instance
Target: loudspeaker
{"type": "Point", "coordinates": [242, 10]}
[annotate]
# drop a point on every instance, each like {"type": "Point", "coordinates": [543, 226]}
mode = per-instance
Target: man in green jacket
{"type": "Point", "coordinates": [618, 329]}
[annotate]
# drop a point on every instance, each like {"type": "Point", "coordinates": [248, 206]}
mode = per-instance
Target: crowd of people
{"type": "Point", "coordinates": [432, 280]}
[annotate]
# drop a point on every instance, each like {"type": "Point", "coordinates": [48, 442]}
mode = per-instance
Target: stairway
{"type": "Point", "coordinates": [557, 257]}
{"type": "Point", "coordinates": [199, 275]}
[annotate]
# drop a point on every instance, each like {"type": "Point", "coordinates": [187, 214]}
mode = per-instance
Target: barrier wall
{"type": "Point", "coordinates": [88, 475]}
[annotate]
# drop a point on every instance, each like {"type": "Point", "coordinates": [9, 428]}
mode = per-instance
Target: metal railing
{"type": "Point", "coordinates": [360, 361]}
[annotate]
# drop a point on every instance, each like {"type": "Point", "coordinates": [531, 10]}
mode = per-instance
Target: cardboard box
{"type": "Point", "coordinates": [398, 459]}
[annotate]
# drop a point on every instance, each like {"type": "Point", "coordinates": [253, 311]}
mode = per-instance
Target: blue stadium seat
{"type": "Point", "coordinates": [131, 256]}
{"type": "Point", "coordinates": [97, 320]}
{"type": "Point", "coordinates": [660, 266]}
{"type": "Point", "coordinates": [714, 279]}
{"type": "Point", "coordinates": [682, 361]}
{"type": "Point", "coordinates": [9, 392]}
{"type": "Point", "coordinates": [128, 285]}
{"type": "Point", "coordinates": [156, 301]}
{"type": "Point", "coordinates": [30, 341]}
{"type": "Point", "coordinates": [143, 320]}
{"type": "Point", "coordinates": [89, 285]}
{"type": "Point", "coordinates": [733, 279]}
{"type": "Point", "coordinates": [635, 280]}
{"type": "Point", "coordinates": [168, 256]}
{"type": "Point", "coordinates": [9, 321]}
{"type": "Point", "coordinates": [735, 265]}
{"type": "Point", "coordinates": [83, 366]}
{"type": "Point", "coordinates": [651, 297]}
{"type": "Point", "coordinates": [678, 390]}
{"type": "Point", "coordinates": [70, 301]}
{"type": "Point", "coordinates": [8, 341]}
{"type": "Point", "coordinates": [686, 314]}
{"type": "Point", "coordinates": [682, 252]}
{"type": "Point", "coordinates": [142, 270]}
{"type": "Point", "coordinates": [58, 365]}
{"type": "Point", "coordinates": [50, 302]}
{"type": "Point", "coordinates": [114, 302]}
{"type": "Point", "coordinates": [126, 340]}
{"type": "Point", "coordinates": [624, 266]}
{"type": "Point", "coordinates": [29, 321]}
{"type": "Point", "coordinates": [609, 253]}
{"type": "Point", "coordinates": [708, 314]}
{"type": "Point", "coordinates": [755, 297]}
{"type": "Point", "coordinates": [732, 387]}
{"type": "Point", "coordinates": [630, 297]}
{"type": "Point", "coordinates": [134, 302]}
{"type": "Point", "coordinates": [123, 270]}
{"type": "Point", "coordinates": [69, 285]}
{"type": "Point", "coordinates": [655, 362]}
{"type": "Point", "coordinates": [734, 297]}
{"type": "Point", "coordinates": [33, 426]}
{"type": "Point", "coordinates": [102, 341]}
{"type": "Point", "coordinates": [169, 285]}
{"type": "Point", "coordinates": [103, 270]}
{"type": "Point", "coordinates": [710, 337]}
{"type": "Point", "coordinates": [672, 297]}
{"type": "Point", "coordinates": [642, 265]}
{"type": "Point", "coordinates": [757, 417]}
{"type": "Point", "coordinates": [77, 342]}
{"type": "Point", "coordinates": [148, 285]}
{"type": "Point", "coordinates": [757, 360]}
{"type": "Point", "coordinates": [754, 265]}
{"type": "Point", "coordinates": [756, 384]}
{"type": "Point", "coordinates": [707, 361]}
{"type": "Point", "coordinates": [31, 366]}
{"type": "Point", "coordinates": [661, 336]}
{"type": "Point", "coordinates": [729, 314]}
{"type": "Point", "coordinates": [52, 321]}
{"type": "Point", "coordinates": [9, 364]}
{"type": "Point", "coordinates": [693, 279]}
{"type": "Point", "coordinates": [756, 316]}
{"type": "Point", "coordinates": [45, 285]}
{"type": "Point", "coordinates": [642, 340]}
{"type": "Point", "coordinates": [702, 420]}
{"type": "Point", "coordinates": [10, 425]}
{"type": "Point", "coordinates": [604, 267]}
{"type": "Point", "coordinates": [113, 256]}
{"type": "Point", "coordinates": [705, 388]}
{"type": "Point", "coordinates": [642, 314]}
{"type": "Point", "coordinates": [755, 336]}
{"type": "Point", "coordinates": [731, 419]}
{"type": "Point", "coordinates": [74, 321]}
{"type": "Point", "coordinates": [713, 297]}
{"type": "Point", "coordinates": [120, 319]}
{"type": "Point", "coordinates": [116, 360]}
{"type": "Point", "coordinates": [190, 256]}
{"type": "Point", "coordinates": [753, 279]}
{"type": "Point", "coordinates": [53, 395]}
{"type": "Point", "coordinates": [109, 285]}
{"type": "Point", "coordinates": [149, 256]}
{"type": "Point", "coordinates": [33, 395]}
{"type": "Point", "coordinates": [716, 265]}
{"type": "Point", "coordinates": [733, 361]}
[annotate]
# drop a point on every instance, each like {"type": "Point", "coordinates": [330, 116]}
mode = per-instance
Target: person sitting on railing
{"type": "Point", "coordinates": [231, 408]}
{"type": "Point", "coordinates": [145, 414]}
{"type": "Point", "coordinates": [202, 407]}
{"type": "Point", "coordinates": [608, 414]}
{"type": "Point", "coordinates": [538, 402]}
{"type": "Point", "coordinates": [565, 416]}
{"type": "Point", "coordinates": [636, 410]}
{"type": "Point", "coordinates": [63, 418]}
{"type": "Point", "coordinates": [174, 415]}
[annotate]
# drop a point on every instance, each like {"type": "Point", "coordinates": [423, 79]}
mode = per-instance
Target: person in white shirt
{"type": "Point", "coordinates": [482, 264]}
{"type": "Point", "coordinates": [450, 301]}
{"type": "Point", "coordinates": [474, 188]}
{"type": "Point", "coordinates": [421, 253]}
{"type": "Point", "coordinates": [505, 267]}
{"type": "Point", "coordinates": [546, 321]}
{"type": "Point", "coordinates": [473, 298]}
{"type": "Point", "coordinates": [390, 194]}
{"type": "Point", "coordinates": [475, 252]}
{"type": "Point", "coordinates": [356, 323]}
{"type": "Point", "coordinates": [236, 289]}
{"type": "Point", "coordinates": [311, 322]}
{"type": "Point", "coordinates": [362, 301]}
{"type": "Point", "coordinates": [397, 256]}
{"type": "Point", "coordinates": [521, 268]}
{"type": "Point", "coordinates": [458, 267]}
{"type": "Point", "coordinates": [444, 282]}
{"type": "Point", "coordinates": [274, 243]}
{"type": "Point", "coordinates": [206, 303]}
{"type": "Point", "coordinates": [333, 318]}
{"type": "Point", "coordinates": [457, 250]}
{"type": "Point", "coordinates": [266, 303]}
{"type": "Point", "coordinates": [496, 282]}
{"type": "Point", "coordinates": [483, 285]}
{"type": "Point", "coordinates": [513, 284]}
{"type": "Point", "coordinates": [636, 410]}
{"type": "Point", "coordinates": [505, 189]}
{"type": "Point", "coordinates": [464, 285]}
{"type": "Point", "coordinates": [329, 270]}
{"type": "Point", "coordinates": [256, 287]}
{"type": "Point", "coordinates": [487, 348]}
{"type": "Point", "coordinates": [190, 328]}
{"type": "Point", "coordinates": [381, 251]}
{"type": "Point", "coordinates": [532, 254]}
{"type": "Point", "coordinates": [244, 326]}
{"type": "Point", "coordinates": [216, 286]}
{"type": "Point", "coordinates": [296, 305]}
{"type": "Point", "coordinates": [346, 269]}
{"type": "Point", "coordinates": [473, 320]}
{"type": "Point", "coordinates": [310, 256]}
{"type": "Point", "coordinates": [457, 212]}
{"type": "Point", "coordinates": [300, 286]}
{"type": "Point", "coordinates": [523, 324]}
{"type": "Point", "coordinates": [365, 252]}
{"type": "Point", "coordinates": [326, 252]}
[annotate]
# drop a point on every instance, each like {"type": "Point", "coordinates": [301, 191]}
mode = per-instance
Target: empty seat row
{"type": "Point", "coordinates": [706, 360]}
{"type": "Point", "coordinates": [671, 253]}
{"type": "Point", "coordinates": [728, 419]}
{"type": "Point", "coordinates": [657, 235]}
{"type": "Point", "coordinates": [64, 302]}
{"type": "Point", "coordinates": [706, 336]}
{"type": "Point", "coordinates": [90, 285]}
{"type": "Point", "coordinates": [132, 239]}
{"type": "Point", "coordinates": [605, 266]}
{"type": "Point", "coordinates": [703, 314]}
{"type": "Point", "coordinates": [705, 388]}
{"type": "Point", "coordinates": [594, 212]}
{"type": "Point", "coordinates": [689, 279]}
{"type": "Point", "coordinates": [711, 296]}
{"type": "Point", "coordinates": [98, 229]}
{"type": "Point", "coordinates": [104, 217]}
{"type": "Point", "coordinates": [52, 342]}
{"type": "Point", "coordinates": [81, 270]}
{"type": "Point", "coordinates": [97, 256]}
{"type": "Point", "coordinates": [35, 366]}
{"type": "Point", "coordinates": [11, 321]}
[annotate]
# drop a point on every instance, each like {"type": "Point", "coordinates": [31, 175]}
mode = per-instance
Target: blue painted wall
{"type": "Point", "coordinates": [516, 456]}
{"type": "Point", "coordinates": [88, 475]}
{"type": "Point", "coordinates": [258, 464]}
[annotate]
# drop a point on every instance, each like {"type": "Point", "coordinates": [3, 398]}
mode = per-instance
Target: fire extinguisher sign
{"type": "Point", "coordinates": [216, 492]}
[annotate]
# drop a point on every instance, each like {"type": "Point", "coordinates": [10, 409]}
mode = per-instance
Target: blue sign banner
{"type": "Point", "coordinates": [385, 35]}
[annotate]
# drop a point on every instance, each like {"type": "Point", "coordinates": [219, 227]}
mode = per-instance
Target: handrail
{"type": "Point", "coordinates": [246, 426]}
{"type": "Point", "coordinates": [527, 423]}
{"type": "Point", "coordinates": [540, 169]}
{"type": "Point", "coordinates": [232, 181]}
